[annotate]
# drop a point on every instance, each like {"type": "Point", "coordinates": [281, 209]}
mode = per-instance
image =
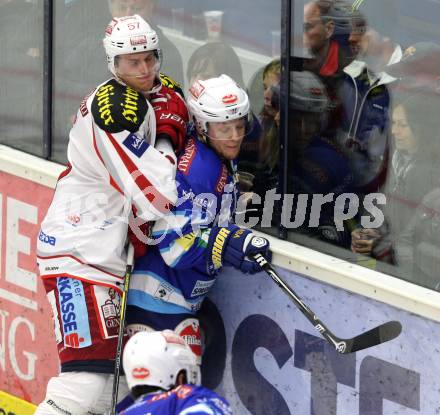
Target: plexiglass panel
{"type": "Point", "coordinates": [363, 141]}
{"type": "Point", "coordinates": [21, 75]}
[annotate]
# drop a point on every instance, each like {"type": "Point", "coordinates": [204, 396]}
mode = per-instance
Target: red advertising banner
{"type": "Point", "coordinates": [28, 355]}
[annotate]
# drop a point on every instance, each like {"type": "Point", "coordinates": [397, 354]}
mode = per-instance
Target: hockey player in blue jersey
{"type": "Point", "coordinates": [199, 236]}
{"type": "Point", "coordinates": [164, 378]}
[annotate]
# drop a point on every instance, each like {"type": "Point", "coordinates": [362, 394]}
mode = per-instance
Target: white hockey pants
{"type": "Point", "coordinates": [80, 393]}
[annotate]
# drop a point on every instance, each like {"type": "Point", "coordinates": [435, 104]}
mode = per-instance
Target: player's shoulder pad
{"type": "Point", "coordinates": [199, 166]}
{"type": "Point", "coordinates": [117, 107]}
{"type": "Point", "coordinates": [171, 84]}
{"type": "Point", "coordinates": [197, 157]}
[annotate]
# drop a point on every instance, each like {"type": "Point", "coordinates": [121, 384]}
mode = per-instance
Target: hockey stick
{"type": "Point", "coordinates": [380, 334]}
{"type": "Point", "coordinates": [130, 260]}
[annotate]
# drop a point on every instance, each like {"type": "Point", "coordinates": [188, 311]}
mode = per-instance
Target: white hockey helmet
{"type": "Point", "coordinates": [129, 34]}
{"type": "Point", "coordinates": [216, 100]}
{"type": "Point", "coordinates": [156, 358]}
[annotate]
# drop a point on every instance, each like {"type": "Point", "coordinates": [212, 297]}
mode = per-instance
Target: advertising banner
{"type": "Point", "coordinates": [28, 356]}
{"type": "Point", "coordinates": [266, 358]}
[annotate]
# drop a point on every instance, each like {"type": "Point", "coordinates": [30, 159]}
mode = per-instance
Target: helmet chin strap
{"type": "Point", "coordinates": [156, 87]}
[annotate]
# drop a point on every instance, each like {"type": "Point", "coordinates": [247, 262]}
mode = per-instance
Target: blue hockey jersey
{"type": "Point", "coordinates": [169, 283]}
{"type": "Point", "coordinates": [183, 400]}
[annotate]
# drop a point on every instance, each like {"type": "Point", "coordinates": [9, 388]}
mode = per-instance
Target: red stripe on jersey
{"type": "Point", "coordinates": [159, 201]}
{"type": "Point", "coordinates": [65, 172]}
{"type": "Point", "coordinates": [112, 181]}
{"type": "Point", "coordinates": [96, 147]}
{"type": "Point", "coordinates": [115, 185]}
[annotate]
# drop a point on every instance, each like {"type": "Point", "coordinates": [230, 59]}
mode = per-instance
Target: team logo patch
{"type": "Point", "coordinates": [73, 219]}
{"type": "Point", "coordinates": [108, 304]}
{"type": "Point", "coordinates": [189, 330]}
{"type": "Point", "coordinates": [183, 391]}
{"type": "Point", "coordinates": [137, 145]}
{"type": "Point", "coordinates": [74, 317]}
{"type": "Point", "coordinates": [140, 373]}
{"type": "Point", "coordinates": [230, 99]}
{"type": "Point", "coordinates": [111, 26]}
{"type": "Point", "coordinates": [163, 292]}
{"type": "Point", "coordinates": [138, 40]}
{"type": "Point", "coordinates": [258, 242]}
{"type": "Point", "coordinates": [197, 89]}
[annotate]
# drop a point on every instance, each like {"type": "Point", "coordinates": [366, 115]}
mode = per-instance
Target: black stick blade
{"type": "Point", "coordinates": [380, 334]}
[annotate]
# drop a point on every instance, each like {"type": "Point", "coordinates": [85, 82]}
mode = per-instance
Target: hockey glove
{"type": "Point", "coordinates": [232, 246]}
{"type": "Point", "coordinates": [171, 116]}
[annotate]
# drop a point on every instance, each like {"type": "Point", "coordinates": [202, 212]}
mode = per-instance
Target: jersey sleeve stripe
{"type": "Point", "coordinates": [159, 201]}
{"type": "Point", "coordinates": [96, 147]}
{"type": "Point", "coordinates": [112, 180]}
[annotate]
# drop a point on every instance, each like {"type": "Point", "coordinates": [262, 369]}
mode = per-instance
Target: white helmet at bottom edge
{"type": "Point", "coordinates": [156, 359]}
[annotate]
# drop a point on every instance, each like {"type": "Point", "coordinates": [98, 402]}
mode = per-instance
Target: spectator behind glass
{"type": "Point", "coordinates": [411, 175]}
{"type": "Point", "coordinates": [318, 29]}
{"type": "Point", "coordinates": [363, 131]}
{"type": "Point", "coordinates": [213, 59]}
{"type": "Point", "coordinates": [342, 16]}
{"type": "Point", "coordinates": [325, 38]}
{"type": "Point", "coordinates": [326, 24]}
{"type": "Point", "coordinates": [316, 165]}
{"type": "Point", "coordinates": [258, 162]}
{"type": "Point", "coordinates": [417, 249]}
{"type": "Point", "coordinates": [373, 35]}
{"type": "Point", "coordinates": [172, 64]}
{"type": "Point", "coordinates": [270, 118]}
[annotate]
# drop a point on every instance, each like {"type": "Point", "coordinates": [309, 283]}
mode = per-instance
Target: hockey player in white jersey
{"type": "Point", "coordinates": [121, 159]}
{"type": "Point", "coordinates": [164, 378]}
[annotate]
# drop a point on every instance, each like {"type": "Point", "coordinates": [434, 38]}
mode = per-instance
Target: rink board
{"type": "Point", "coordinates": [28, 356]}
{"type": "Point", "coordinates": [268, 359]}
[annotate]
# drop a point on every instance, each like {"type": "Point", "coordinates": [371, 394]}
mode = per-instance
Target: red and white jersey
{"type": "Point", "coordinates": [113, 166]}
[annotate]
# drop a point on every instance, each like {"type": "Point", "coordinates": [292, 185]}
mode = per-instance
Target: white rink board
{"type": "Point", "coordinates": [276, 363]}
